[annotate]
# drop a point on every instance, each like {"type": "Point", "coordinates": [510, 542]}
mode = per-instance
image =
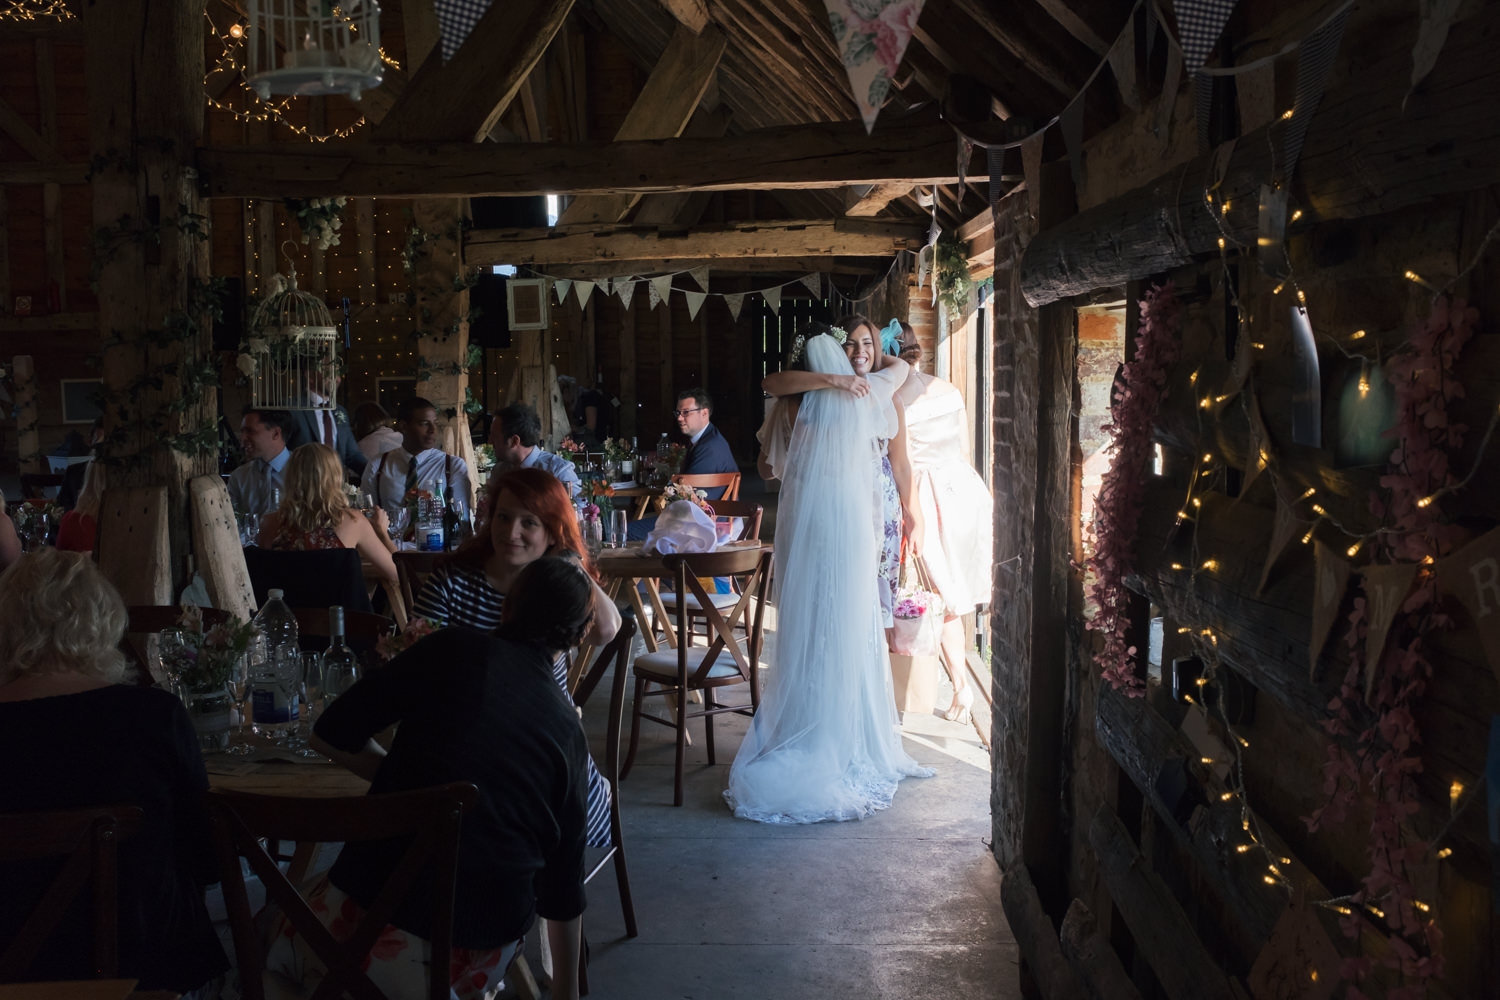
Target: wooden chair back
{"type": "Point", "coordinates": [713, 480]}
{"type": "Point", "coordinates": [412, 569]}
{"type": "Point", "coordinates": [747, 511]}
{"type": "Point", "coordinates": [747, 567]}
{"type": "Point", "coordinates": [429, 816]}
{"type": "Point", "coordinates": [309, 579]}
{"type": "Point", "coordinates": [150, 619]}
{"type": "Point", "coordinates": [87, 840]}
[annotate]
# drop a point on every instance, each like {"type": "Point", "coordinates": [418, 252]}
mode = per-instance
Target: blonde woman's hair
{"type": "Point", "coordinates": [91, 497]}
{"type": "Point", "coordinates": [313, 489]}
{"type": "Point", "coordinates": [59, 613]}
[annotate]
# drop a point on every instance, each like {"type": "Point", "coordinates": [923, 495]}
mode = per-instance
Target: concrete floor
{"type": "Point", "coordinates": [903, 904]}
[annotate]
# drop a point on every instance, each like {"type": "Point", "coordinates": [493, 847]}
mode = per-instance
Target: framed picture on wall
{"type": "Point", "coordinates": [80, 400]}
{"type": "Point", "coordinates": [526, 302]}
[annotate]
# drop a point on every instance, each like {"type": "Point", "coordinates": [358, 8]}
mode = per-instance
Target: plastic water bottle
{"type": "Point", "coordinates": [429, 533]}
{"type": "Point", "coordinates": [340, 665]}
{"type": "Point", "coordinates": [273, 673]}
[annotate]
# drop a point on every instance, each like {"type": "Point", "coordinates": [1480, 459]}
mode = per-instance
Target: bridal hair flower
{"type": "Point", "coordinates": [797, 345]}
{"type": "Point", "coordinates": [838, 333]}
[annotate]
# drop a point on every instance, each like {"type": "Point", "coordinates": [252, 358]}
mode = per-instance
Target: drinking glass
{"type": "Point", "coordinates": [170, 650]}
{"type": "Point", "coordinates": [310, 697]}
{"type": "Point", "coordinates": [239, 687]}
{"type": "Point", "coordinates": [617, 529]}
{"type": "Point", "coordinates": [363, 502]}
{"type": "Point", "coordinates": [399, 520]}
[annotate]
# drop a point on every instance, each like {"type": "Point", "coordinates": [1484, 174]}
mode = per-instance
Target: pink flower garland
{"type": "Point", "coordinates": [1117, 510]}
{"type": "Point", "coordinates": [1383, 761]}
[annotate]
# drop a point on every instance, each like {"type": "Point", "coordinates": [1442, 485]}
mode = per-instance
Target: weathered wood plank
{"type": "Point", "coordinates": [799, 238]}
{"type": "Point", "coordinates": [28, 447]}
{"type": "Point", "coordinates": [216, 542]}
{"type": "Point", "coordinates": [1097, 964]}
{"type": "Point", "coordinates": [871, 199]}
{"type": "Point", "coordinates": [1439, 145]}
{"type": "Point", "coordinates": [134, 550]}
{"type": "Point", "coordinates": [691, 14]}
{"type": "Point", "coordinates": [795, 156]}
{"type": "Point", "coordinates": [44, 173]}
{"type": "Point", "coordinates": [1037, 938]}
{"type": "Point", "coordinates": [684, 208]}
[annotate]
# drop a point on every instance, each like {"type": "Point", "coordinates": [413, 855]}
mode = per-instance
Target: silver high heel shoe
{"type": "Point", "coordinates": [962, 712]}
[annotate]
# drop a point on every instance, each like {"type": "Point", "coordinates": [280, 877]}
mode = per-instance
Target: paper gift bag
{"type": "Point", "coordinates": [916, 680]}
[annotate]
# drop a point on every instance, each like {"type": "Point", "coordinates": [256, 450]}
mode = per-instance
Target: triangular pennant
{"type": "Point", "coordinates": [773, 298]}
{"type": "Point", "coordinates": [1314, 63]}
{"type": "Point", "coordinates": [1330, 580]}
{"type": "Point", "coordinates": [1282, 533]}
{"type": "Point", "coordinates": [583, 289]}
{"type": "Point", "coordinates": [700, 275]}
{"type": "Point", "coordinates": [1151, 25]}
{"type": "Point", "coordinates": [871, 37]}
{"type": "Point", "coordinates": [1122, 65]}
{"type": "Point", "coordinates": [1472, 574]}
{"type": "Point", "coordinates": [1255, 93]}
{"type": "Point", "coordinates": [965, 154]}
{"type": "Point", "coordinates": [1432, 32]}
{"type": "Point", "coordinates": [995, 160]}
{"type": "Point", "coordinates": [561, 286]}
{"type": "Point", "coordinates": [1031, 170]}
{"type": "Point", "coordinates": [1203, 107]}
{"type": "Point", "coordinates": [1260, 444]}
{"type": "Point", "coordinates": [625, 290]}
{"type": "Point", "coordinates": [813, 283]}
{"type": "Point", "coordinates": [1299, 951]}
{"type": "Point", "coordinates": [607, 286]}
{"type": "Point", "coordinates": [735, 301]}
{"type": "Point", "coordinates": [1071, 124]}
{"type": "Point", "coordinates": [694, 302]}
{"type": "Point", "coordinates": [456, 19]}
{"type": "Point", "coordinates": [1167, 103]}
{"type": "Point", "coordinates": [1199, 23]}
{"type": "Point", "coordinates": [661, 288]}
{"type": "Point", "coordinates": [1386, 588]}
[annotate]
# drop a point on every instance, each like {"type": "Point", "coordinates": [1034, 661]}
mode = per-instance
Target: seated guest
{"type": "Point", "coordinates": [315, 514]}
{"type": "Point", "coordinates": [707, 451]}
{"type": "Point", "coordinates": [105, 743]}
{"type": "Point", "coordinates": [328, 426]}
{"type": "Point", "coordinates": [483, 708]}
{"type": "Point", "coordinates": [373, 432]}
{"type": "Point", "coordinates": [254, 486]}
{"type": "Point", "coordinates": [516, 436]}
{"type": "Point", "coordinates": [527, 516]}
{"type": "Point", "coordinates": [390, 477]}
{"type": "Point", "coordinates": [79, 528]}
{"type": "Point", "coordinates": [72, 484]}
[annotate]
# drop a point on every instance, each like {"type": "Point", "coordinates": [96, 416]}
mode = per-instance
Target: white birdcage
{"type": "Point", "coordinates": [314, 47]}
{"type": "Point", "coordinates": [295, 348]}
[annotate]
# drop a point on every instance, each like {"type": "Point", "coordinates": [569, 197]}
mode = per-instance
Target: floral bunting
{"type": "Point", "coordinates": [1330, 580]}
{"type": "Point", "coordinates": [1122, 65]}
{"type": "Point", "coordinates": [813, 282]}
{"type": "Point", "coordinates": [1432, 32]}
{"type": "Point", "coordinates": [561, 286]}
{"type": "Point", "coordinates": [1472, 574]}
{"type": "Point", "coordinates": [695, 302]}
{"type": "Point", "coordinates": [625, 290]}
{"type": "Point", "coordinates": [660, 287]}
{"type": "Point", "coordinates": [1386, 587]}
{"type": "Point", "coordinates": [871, 37]}
{"type": "Point", "coordinates": [700, 275]}
{"type": "Point", "coordinates": [1282, 534]}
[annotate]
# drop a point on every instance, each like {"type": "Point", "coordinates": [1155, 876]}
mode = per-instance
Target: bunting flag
{"type": "Point", "coordinates": [1195, 727]}
{"type": "Point", "coordinates": [1122, 65]}
{"type": "Point", "coordinates": [456, 19]}
{"type": "Point", "coordinates": [1168, 101]}
{"type": "Point", "coordinates": [583, 289]}
{"type": "Point", "coordinates": [995, 157]}
{"type": "Point", "coordinates": [607, 285]}
{"type": "Point", "coordinates": [1299, 959]}
{"type": "Point", "coordinates": [1472, 574]}
{"type": "Point", "coordinates": [1199, 23]}
{"type": "Point", "coordinates": [1432, 32]}
{"type": "Point", "coordinates": [660, 288]}
{"type": "Point", "coordinates": [813, 283]}
{"type": "Point", "coordinates": [561, 286]}
{"type": "Point", "coordinates": [871, 37]}
{"type": "Point", "coordinates": [1281, 536]}
{"type": "Point", "coordinates": [965, 154]}
{"type": "Point", "coordinates": [1203, 107]}
{"type": "Point", "coordinates": [1330, 580]}
{"type": "Point", "coordinates": [695, 302]}
{"type": "Point", "coordinates": [773, 298]}
{"type": "Point", "coordinates": [1385, 588]}
{"type": "Point", "coordinates": [700, 275]}
{"type": "Point", "coordinates": [1151, 26]}
{"type": "Point", "coordinates": [735, 301]}
{"type": "Point", "coordinates": [1270, 237]}
{"type": "Point", "coordinates": [1070, 122]}
{"type": "Point", "coordinates": [1031, 170]}
{"type": "Point", "coordinates": [1314, 64]}
{"type": "Point", "coordinates": [625, 290]}
{"type": "Point", "coordinates": [1260, 442]}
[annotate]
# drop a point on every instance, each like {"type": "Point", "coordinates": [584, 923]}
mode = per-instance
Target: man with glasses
{"type": "Point", "coordinates": [707, 451]}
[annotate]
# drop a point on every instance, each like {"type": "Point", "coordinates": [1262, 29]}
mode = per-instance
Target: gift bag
{"type": "Point", "coordinates": [918, 613]}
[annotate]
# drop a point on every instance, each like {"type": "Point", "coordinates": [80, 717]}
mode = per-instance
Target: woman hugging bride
{"type": "Point", "coordinates": [825, 744]}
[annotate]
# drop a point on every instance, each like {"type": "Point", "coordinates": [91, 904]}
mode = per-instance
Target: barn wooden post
{"type": "Point", "coordinates": [28, 448]}
{"type": "Point", "coordinates": [145, 97]}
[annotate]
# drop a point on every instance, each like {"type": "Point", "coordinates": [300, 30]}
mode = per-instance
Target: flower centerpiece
{"type": "Point", "coordinates": [202, 662]}
{"type": "Point", "coordinates": [389, 646]}
{"type": "Point", "coordinates": [570, 450]}
{"type": "Point", "coordinates": [596, 495]}
{"type": "Point", "coordinates": [681, 491]}
{"type": "Point", "coordinates": [676, 452]}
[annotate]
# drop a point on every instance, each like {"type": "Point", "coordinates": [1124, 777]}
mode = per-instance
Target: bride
{"type": "Point", "coordinates": [824, 744]}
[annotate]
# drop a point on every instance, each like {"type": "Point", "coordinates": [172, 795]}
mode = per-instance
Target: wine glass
{"type": "Point", "coordinates": [239, 686]}
{"type": "Point", "coordinates": [310, 696]}
{"type": "Point", "coordinates": [171, 649]}
{"type": "Point", "coordinates": [399, 521]}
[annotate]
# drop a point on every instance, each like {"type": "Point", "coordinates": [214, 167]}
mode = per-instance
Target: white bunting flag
{"type": "Point", "coordinates": [695, 302]}
{"type": "Point", "coordinates": [583, 289]}
{"type": "Point", "coordinates": [814, 284]}
{"type": "Point", "coordinates": [773, 298]}
{"type": "Point", "coordinates": [1031, 170]}
{"type": "Point", "coordinates": [660, 288]}
{"type": "Point", "coordinates": [626, 291]}
{"type": "Point", "coordinates": [1122, 65]}
{"type": "Point", "coordinates": [607, 286]}
{"type": "Point", "coordinates": [735, 301]}
{"type": "Point", "coordinates": [561, 286]}
{"type": "Point", "coordinates": [700, 275]}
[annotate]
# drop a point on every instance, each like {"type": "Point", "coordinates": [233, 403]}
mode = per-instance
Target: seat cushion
{"type": "Point", "coordinates": [721, 601]}
{"type": "Point", "coordinates": [663, 664]}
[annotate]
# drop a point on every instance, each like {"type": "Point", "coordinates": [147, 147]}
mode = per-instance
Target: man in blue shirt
{"type": "Point", "coordinates": [707, 451]}
{"type": "Point", "coordinates": [516, 436]}
{"type": "Point", "coordinates": [255, 487]}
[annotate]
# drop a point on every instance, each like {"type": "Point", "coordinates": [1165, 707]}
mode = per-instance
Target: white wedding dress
{"type": "Point", "coordinates": [825, 743]}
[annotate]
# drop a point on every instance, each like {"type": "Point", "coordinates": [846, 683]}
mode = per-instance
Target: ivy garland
{"type": "Point", "coordinates": [951, 273]}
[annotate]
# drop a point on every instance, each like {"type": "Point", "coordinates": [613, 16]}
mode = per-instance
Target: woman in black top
{"type": "Point", "coordinates": [483, 708]}
{"type": "Point", "coordinates": [74, 737]}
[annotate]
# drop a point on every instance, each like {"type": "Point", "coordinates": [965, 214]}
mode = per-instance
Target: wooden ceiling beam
{"type": "Point", "coordinates": [684, 208]}
{"type": "Point", "coordinates": [465, 98]}
{"type": "Point", "coordinates": [730, 242]}
{"type": "Point", "coordinates": [691, 14]}
{"type": "Point", "coordinates": [865, 200]}
{"type": "Point", "coordinates": [799, 156]}
{"type": "Point", "coordinates": [662, 110]}
{"type": "Point", "coordinates": [1034, 40]}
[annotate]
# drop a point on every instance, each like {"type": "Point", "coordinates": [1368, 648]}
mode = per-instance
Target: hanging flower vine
{"type": "Point", "coordinates": [1117, 511]}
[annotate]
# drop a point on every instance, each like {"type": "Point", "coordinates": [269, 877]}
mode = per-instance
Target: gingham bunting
{"type": "Point", "coordinates": [1199, 24]}
{"type": "Point", "coordinates": [1314, 63]}
{"type": "Point", "coordinates": [456, 18]}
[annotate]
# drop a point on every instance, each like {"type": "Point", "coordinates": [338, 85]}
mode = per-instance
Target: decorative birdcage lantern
{"type": "Point", "coordinates": [314, 47]}
{"type": "Point", "coordinates": [294, 345]}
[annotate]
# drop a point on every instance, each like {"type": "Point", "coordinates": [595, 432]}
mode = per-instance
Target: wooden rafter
{"type": "Point", "coordinates": [691, 14]}
{"type": "Point", "coordinates": [802, 156]}
{"type": "Point", "coordinates": [685, 208]}
{"type": "Point", "coordinates": [872, 199]}
{"type": "Point", "coordinates": [463, 99]}
{"type": "Point", "coordinates": [734, 241]}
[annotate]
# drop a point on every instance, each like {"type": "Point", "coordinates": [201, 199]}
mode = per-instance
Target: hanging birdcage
{"type": "Point", "coordinates": [314, 47]}
{"type": "Point", "coordinates": [294, 345]}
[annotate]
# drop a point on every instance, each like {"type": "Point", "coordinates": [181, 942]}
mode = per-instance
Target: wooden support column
{"type": "Point", "coordinates": [28, 450]}
{"type": "Point", "coordinates": [147, 274]}
{"type": "Point", "coordinates": [436, 309]}
{"type": "Point", "coordinates": [52, 231]}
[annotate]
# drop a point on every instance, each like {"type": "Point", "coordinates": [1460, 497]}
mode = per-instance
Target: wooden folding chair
{"type": "Point", "coordinates": [713, 480]}
{"type": "Point", "coordinates": [87, 840]}
{"type": "Point", "coordinates": [429, 816]}
{"type": "Point", "coordinates": [151, 619]}
{"type": "Point", "coordinates": [750, 515]}
{"type": "Point", "coordinates": [724, 661]}
{"type": "Point", "coordinates": [412, 569]}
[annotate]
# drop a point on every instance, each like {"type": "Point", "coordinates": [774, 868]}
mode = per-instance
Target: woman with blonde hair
{"type": "Point", "coordinates": [315, 513]}
{"type": "Point", "coordinates": [79, 528]}
{"type": "Point", "coordinates": [105, 743]}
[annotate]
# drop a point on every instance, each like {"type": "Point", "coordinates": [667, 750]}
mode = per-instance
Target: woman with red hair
{"type": "Point", "coordinates": [527, 515]}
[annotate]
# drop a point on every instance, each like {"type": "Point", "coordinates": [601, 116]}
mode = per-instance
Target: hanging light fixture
{"type": "Point", "coordinates": [314, 47]}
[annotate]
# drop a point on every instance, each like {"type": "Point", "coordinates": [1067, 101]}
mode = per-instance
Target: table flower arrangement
{"type": "Point", "coordinates": [202, 662]}
{"type": "Point", "coordinates": [617, 450]}
{"type": "Point", "coordinates": [571, 450]}
{"type": "Point", "coordinates": [389, 646]}
{"type": "Point", "coordinates": [680, 491]}
{"type": "Point", "coordinates": [596, 495]}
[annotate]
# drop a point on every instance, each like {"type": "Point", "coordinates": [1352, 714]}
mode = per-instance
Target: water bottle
{"type": "Point", "coordinates": [273, 672]}
{"type": "Point", "coordinates": [429, 534]}
{"type": "Point", "coordinates": [340, 665]}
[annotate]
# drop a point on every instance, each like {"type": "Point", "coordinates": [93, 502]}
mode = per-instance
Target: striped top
{"type": "Point", "coordinates": [455, 595]}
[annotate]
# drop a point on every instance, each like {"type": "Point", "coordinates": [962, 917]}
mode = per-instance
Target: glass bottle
{"type": "Point", "coordinates": [273, 674]}
{"type": "Point", "coordinates": [340, 665]}
{"type": "Point", "coordinates": [456, 526]}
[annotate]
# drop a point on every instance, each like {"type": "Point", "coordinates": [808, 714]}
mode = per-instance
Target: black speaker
{"type": "Point", "coordinates": [509, 213]}
{"type": "Point", "coordinates": [229, 327]}
{"type": "Point", "coordinates": [491, 327]}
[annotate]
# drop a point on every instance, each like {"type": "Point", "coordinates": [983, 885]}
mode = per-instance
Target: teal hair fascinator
{"type": "Point", "coordinates": [890, 337]}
